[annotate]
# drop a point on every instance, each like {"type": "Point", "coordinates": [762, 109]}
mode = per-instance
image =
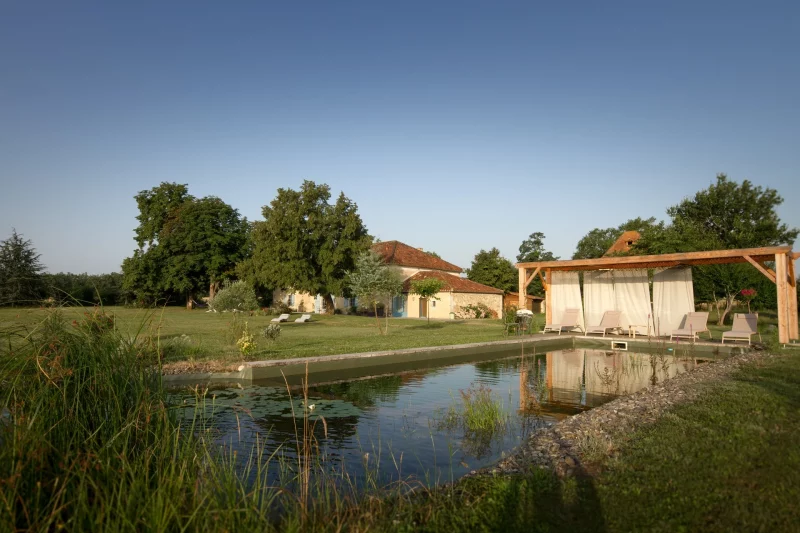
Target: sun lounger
{"type": "Point", "coordinates": [744, 326]}
{"type": "Point", "coordinates": [569, 321]}
{"type": "Point", "coordinates": [304, 318]}
{"type": "Point", "coordinates": [283, 318]}
{"type": "Point", "coordinates": [610, 321]}
{"type": "Point", "coordinates": [696, 323]}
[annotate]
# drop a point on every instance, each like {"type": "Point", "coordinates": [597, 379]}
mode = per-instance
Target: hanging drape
{"type": "Point", "coordinates": [632, 291]}
{"type": "Point", "coordinates": [598, 295]}
{"type": "Point", "coordinates": [566, 294]}
{"type": "Point", "coordinates": [673, 298]}
{"type": "Point", "coordinates": [566, 374]}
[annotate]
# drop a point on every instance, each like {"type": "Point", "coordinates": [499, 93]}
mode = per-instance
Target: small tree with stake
{"type": "Point", "coordinates": [374, 282]}
{"type": "Point", "coordinates": [427, 288]}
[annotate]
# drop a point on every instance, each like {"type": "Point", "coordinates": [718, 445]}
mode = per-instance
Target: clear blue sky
{"type": "Point", "coordinates": [455, 126]}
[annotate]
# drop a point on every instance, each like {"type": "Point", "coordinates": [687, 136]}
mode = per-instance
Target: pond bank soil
{"type": "Point", "coordinates": [575, 445]}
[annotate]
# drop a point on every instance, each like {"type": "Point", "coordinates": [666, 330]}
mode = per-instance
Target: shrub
{"type": "Point", "coordinates": [478, 310]}
{"type": "Point", "coordinates": [247, 342]}
{"type": "Point", "coordinates": [271, 332]}
{"type": "Point", "coordinates": [236, 296]}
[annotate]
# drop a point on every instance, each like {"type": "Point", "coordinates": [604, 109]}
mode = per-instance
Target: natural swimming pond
{"type": "Point", "coordinates": [413, 423]}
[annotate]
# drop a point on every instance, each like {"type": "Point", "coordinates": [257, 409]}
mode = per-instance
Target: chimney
{"type": "Point", "coordinates": [420, 249]}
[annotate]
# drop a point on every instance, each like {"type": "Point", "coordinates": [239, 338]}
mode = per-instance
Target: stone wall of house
{"type": "Point", "coordinates": [303, 301]}
{"type": "Point", "coordinates": [462, 299]}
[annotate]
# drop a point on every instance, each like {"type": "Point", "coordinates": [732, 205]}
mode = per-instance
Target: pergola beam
{"type": "Point", "coordinates": [769, 274]}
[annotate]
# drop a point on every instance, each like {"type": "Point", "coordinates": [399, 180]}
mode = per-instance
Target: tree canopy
{"type": "Point", "coordinates": [490, 268]}
{"type": "Point", "coordinates": [20, 272]}
{"type": "Point", "coordinates": [532, 250]}
{"type": "Point", "coordinates": [427, 288]}
{"type": "Point", "coordinates": [192, 244]}
{"type": "Point", "coordinates": [305, 243]}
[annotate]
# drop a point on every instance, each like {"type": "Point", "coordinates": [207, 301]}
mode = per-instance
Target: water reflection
{"type": "Point", "coordinates": [391, 423]}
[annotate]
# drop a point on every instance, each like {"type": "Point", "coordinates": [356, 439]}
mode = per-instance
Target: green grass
{"type": "Point", "coordinates": [199, 336]}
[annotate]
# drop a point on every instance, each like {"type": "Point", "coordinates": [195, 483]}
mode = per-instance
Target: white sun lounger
{"type": "Point", "coordinates": [283, 318]}
{"type": "Point", "coordinates": [304, 318]}
{"type": "Point", "coordinates": [696, 323]}
{"type": "Point", "coordinates": [744, 326]}
{"type": "Point", "coordinates": [610, 321]}
{"type": "Point", "coordinates": [569, 321]}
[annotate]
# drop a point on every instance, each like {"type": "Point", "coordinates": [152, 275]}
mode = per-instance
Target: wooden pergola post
{"type": "Point", "coordinates": [794, 334]}
{"type": "Point", "coordinates": [782, 284]}
{"type": "Point", "coordinates": [548, 297]}
{"type": "Point", "coordinates": [523, 288]}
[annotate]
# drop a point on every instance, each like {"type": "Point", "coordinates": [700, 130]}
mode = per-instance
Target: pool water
{"type": "Point", "coordinates": [396, 424]}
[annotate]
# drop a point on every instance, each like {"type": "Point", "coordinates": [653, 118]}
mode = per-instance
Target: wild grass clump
{"type": "Point", "coordinates": [481, 416]}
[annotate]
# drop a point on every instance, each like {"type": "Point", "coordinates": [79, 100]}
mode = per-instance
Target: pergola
{"type": "Point", "coordinates": [783, 276]}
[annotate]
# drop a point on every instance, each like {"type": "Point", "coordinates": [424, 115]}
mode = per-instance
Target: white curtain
{"type": "Point", "coordinates": [632, 290]}
{"type": "Point", "coordinates": [566, 374]}
{"type": "Point", "coordinates": [673, 298]}
{"type": "Point", "coordinates": [598, 296]}
{"type": "Point", "coordinates": [566, 294]}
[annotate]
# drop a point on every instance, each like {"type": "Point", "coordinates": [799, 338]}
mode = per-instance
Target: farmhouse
{"type": "Point", "coordinates": [457, 297]}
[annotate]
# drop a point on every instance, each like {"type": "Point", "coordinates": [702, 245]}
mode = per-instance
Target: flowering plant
{"type": "Point", "coordinates": [748, 295]}
{"type": "Point", "coordinates": [247, 342]}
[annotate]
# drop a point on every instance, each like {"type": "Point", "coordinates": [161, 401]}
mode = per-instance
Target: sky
{"type": "Point", "coordinates": [455, 126]}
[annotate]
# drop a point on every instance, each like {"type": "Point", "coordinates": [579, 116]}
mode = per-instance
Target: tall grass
{"type": "Point", "coordinates": [89, 441]}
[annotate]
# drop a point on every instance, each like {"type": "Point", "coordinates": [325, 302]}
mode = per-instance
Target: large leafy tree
{"type": "Point", "coordinates": [185, 244]}
{"type": "Point", "coordinates": [306, 243]}
{"type": "Point", "coordinates": [20, 272]}
{"type": "Point", "coordinates": [532, 250]}
{"type": "Point", "coordinates": [374, 282]}
{"type": "Point", "coordinates": [726, 215]}
{"type": "Point", "coordinates": [491, 268]}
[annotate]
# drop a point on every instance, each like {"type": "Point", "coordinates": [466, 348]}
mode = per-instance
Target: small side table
{"type": "Point", "coordinates": [632, 329]}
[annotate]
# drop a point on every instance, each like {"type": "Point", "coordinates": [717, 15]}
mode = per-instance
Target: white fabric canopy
{"type": "Point", "coordinates": [566, 294]}
{"type": "Point", "coordinates": [598, 295]}
{"type": "Point", "coordinates": [632, 291]}
{"type": "Point", "coordinates": [673, 298]}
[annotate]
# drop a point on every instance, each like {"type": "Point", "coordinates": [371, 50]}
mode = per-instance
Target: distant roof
{"type": "Point", "coordinates": [623, 243]}
{"type": "Point", "coordinates": [451, 283]}
{"type": "Point", "coordinates": [400, 254]}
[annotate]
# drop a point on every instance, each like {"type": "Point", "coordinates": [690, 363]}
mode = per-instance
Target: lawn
{"type": "Point", "coordinates": [210, 336]}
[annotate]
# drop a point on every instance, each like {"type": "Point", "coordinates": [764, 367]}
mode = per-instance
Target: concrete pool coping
{"type": "Point", "coordinates": [357, 365]}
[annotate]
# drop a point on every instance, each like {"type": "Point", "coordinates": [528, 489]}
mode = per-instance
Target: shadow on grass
{"type": "Point", "coordinates": [432, 325]}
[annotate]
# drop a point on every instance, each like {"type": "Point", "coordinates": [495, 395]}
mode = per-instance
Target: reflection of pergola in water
{"type": "Point", "coordinates": [783, 276]}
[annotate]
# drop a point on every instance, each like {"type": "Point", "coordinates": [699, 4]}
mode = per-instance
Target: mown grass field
{"type": "Point", "coordinates": [211, 335]}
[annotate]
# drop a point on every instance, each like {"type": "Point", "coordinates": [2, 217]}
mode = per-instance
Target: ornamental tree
{"type": "Point", "coordinates": [494, 270]}
{"type": "Point", "coordinates": [374, 282]}
{"type": "Point", "coordinates": [427, 288]}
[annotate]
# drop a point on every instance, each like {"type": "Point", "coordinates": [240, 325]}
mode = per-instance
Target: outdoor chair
{"type": "Point", "coordinates": [696, 323]}
{"type": "Point", "coordinates": [610, 321]}
{"type": "Point", "coordinates": [569, 321]}
{"type": "Point", "coordinates": [744, 326]}
{"type": "Point", "coordinates": [283, 318]}
{"type": "Point", "coordinates": [303, 319]}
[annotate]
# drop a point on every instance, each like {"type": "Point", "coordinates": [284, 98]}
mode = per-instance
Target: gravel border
{"type": "Point", "coordinates": [563, 446]}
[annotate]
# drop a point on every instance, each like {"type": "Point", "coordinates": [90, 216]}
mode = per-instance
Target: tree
{"type": "Point", "coordinates": [305, 243]}
{"type": "Point", "coordinates": [727, 215]}
{"type": "Point", "coordinates": [490, 268]}
{"type": "Point", "coordinates": [374, 282]}
{"type": "Point", "coordinates": [532, 250]}
{"type": "Point", "coordinates": [185, 244]}
{"type": "Point", "coordinates": [427, 288]}
{"type": "Point", "coordinates": [20, 271]}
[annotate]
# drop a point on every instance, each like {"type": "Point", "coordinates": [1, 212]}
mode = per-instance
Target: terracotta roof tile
{"type": "Point", "coordinates": [401, 254]}
{"type": "Point", "coordinates": [622, 243]}
{"type": "Point", "coordinates": [452, 283]}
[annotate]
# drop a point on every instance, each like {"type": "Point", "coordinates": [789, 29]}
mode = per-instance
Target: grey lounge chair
{"type": "Point", "coordinates": [610, 321]}
{"type": "Point", "coordinates": [744, 326]}
{"type": "Point", "coordinates": [283, 318]}
{"type": "Point", "coordinates": [303, 319]}
{"type": "Point", "coordinates": [569, 321]}
{"type": "Point", "coordinates": [696, 323]}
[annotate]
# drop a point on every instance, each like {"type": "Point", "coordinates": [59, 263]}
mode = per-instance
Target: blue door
{"type": "Point", "coordinates": [399, 306]}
